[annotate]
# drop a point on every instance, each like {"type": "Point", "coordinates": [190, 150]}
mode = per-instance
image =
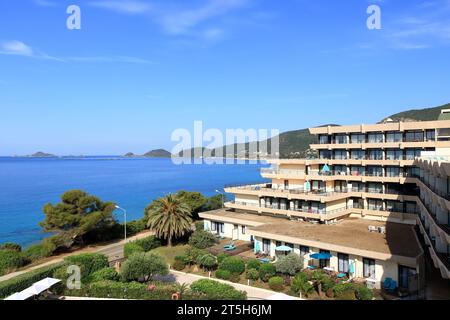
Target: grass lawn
{"type": "Point", "coordinates": [170, 253]}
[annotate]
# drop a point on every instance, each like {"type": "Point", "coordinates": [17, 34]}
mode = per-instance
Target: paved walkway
{"type": "Point", "coordinates": [253, 293]}
{"type": "Point", "coordinates": [112, 250]}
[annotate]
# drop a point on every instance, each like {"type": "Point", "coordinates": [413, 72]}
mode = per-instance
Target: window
{"type": "Point", "coordinates": [412, 153]}
{"type": "Point", "coordinates": [340, 139]}
{"type": "Point", "coordinates": [323, 139]}
{"type": "Point", "coordinates": [343, 263]}
{"type": "Point", "coordinates": [357, 154]}
{"type": "Point", "coordinates": [392, 171]}
{"type": "Point", "coordinates": [394, 137]}
{"type": "Point", "coordinates": [414, 136]}
{"type": "Point", "coordinates": [278, 243]}
{"type": "Point", "coordinates": [394, 154]}
{"type": "Point", "coordinates": [323, 263]}
{"type": "Point", "coordinates": [375, 188]}
{"type": "Point", "coordinates": [394, 206]}
{"type": "Point", "coordinates": [375, 154]}
{"type": "Point", "coordinates": [430, 135]}
{"type": "Point", "coordinates": [369, 268]}
{"type": "Point", "coordinates": [358, 138]}
{"type": "Point", "coordinates": [357, 171]}
{"type": "Point", "coordinates": [243, 228]}
{"type": "Point", "coordinates": [304, 251]}
{"type": "Point", "coordinates": [374, 171]}
{"type": "Point", "coordinates": [217, 226]}
{"type": "Point", "coordinates": [266, 246]}
{"type": "Point", "coordinates": [375, 138]}
{"type": "Point", "coordinates": [404, 276]}
{"type": "Point", "coordinates": [340, 154]}
{"type": "Point", "coordinates": [375, 204]}
{"type": "Point", "coordinates": [325, 154]}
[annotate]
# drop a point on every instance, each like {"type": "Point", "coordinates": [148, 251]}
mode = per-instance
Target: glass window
{"type": "Point", "coordinates": [304, 251]}
{"type": "Point", "coordinates": [394, 137]}
{"type": "Point", "coordinates": [325, 154]}
{"type": "Point", "coordinates": [243, 229]}
{"type": "Point", "coordinates": [343, 263]}
{"type": "Point", "coordinates": [340, 154]}
{"type": "Point", "coordinates": [394, 154]}
{"type": "Point", "coordinates": [430, 135]}
{"type": "Point", "coordinates": [375, 188]}
{"type": "Point", "coordinates": [414, 136]}
{"type": "Point", "coordinates": [266, 246]}
{"type": "Point", "coordinates": [357, 154]}
{"type": "Point", "coordinates": [340, 139]}
{"type": "Point", "coordinates": [375, 154]}
{"type": "Point", "coordinates": [324, 139]}
{"type": "Point", "coordinates": [375, 204]}
{"type": "Point", "coordinates": [392, 171]}
{"type": "Point", "coordinates": [375, 138]}
{"type": "Point", "coordinates": [411, 154]}
{"type": "Point", "coordinates": [369, 268]}
{"type": "Point", "coordinates": [358, 138]}
{"type": "Point", "coordinates": [375, 171]}
{"type": "Point", "coordinates": [394, 206]}
{"type": "Point", "coordinates": [357, 171]}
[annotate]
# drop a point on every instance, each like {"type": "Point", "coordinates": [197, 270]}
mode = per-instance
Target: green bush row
{"type": "Point", "coordinates": [214, 290]}
{"type": "Point", "coordinates": [24, 281]}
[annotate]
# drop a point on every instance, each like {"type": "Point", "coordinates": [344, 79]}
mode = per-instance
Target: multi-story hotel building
{"type": "Point", "coordinates": [373, 195]}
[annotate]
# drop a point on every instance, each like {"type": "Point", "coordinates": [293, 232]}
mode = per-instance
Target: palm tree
{"type": "Point", "coordinates": [169, 218]}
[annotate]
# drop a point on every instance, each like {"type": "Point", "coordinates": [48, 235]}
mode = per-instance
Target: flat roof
{"type": "Point", "coordinates": [251, 219]}
{"type": "Point", "coordinates": [399, 240]}
{"type": "Point", "coordinates": [351, 233]}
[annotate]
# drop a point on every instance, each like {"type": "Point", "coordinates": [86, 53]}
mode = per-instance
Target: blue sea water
{"type": "Point", "coordinates": [27, 184]}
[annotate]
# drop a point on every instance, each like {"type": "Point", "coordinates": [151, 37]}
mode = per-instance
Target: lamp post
{"type": "Point", "coordinates": [124, 222]}
{"type": "Point", "coordinates": [223, 200]}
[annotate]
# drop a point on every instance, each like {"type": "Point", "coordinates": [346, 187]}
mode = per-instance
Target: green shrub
{"type": "Point", "coordinates": [266, 271]}
{"type": "Point", "coordinates": [129, 290]}
{"type": "Point", "coordinates": [341, 288]}
{"type": "Point", "coordinates": [221, 256]}
{"type": "Point", "coordinates": [301, 284]}
{"type": "Point", "coordinates": [11, 246]}
{"type": "Point", "coordinates": [179, 265]}
{"type": "Point", "coordinates": [143, 266]}
{"type": "Point", "coordinates": [105, 274]}
{"type": "Point", "coordinates": [134, 227]}
{"type": "Point", "coordinates": [253, 264]}
{"type": "Point", "coordinates": [37, 252]}
{"type": "Point", "coordinates": [202, 239]}
{"type": "Point", "coordinates": [214, 290]}
{"type": "Point", "coordinates": [223, 274]}
{"type": "Point", "coordinates": [235, 277]}
{"type": "Point", "coordinates": [252, 274]}
{"type": "Point", "coordinates": [192, 254]}
{"type": "Point", "coordinates": [200, 225]}
{"type": "Point", "coordinates": [183, 258]}
{"type": "Point", "coordinates": [233, 264]}
{"type": "Point", "coordinates": [88, 263]}
{"type": "Point", "coordinates": [131, 248]}
{"type": "Point", "coordinates": [25, 280]}
{"type": "Point", "coordinates": [276, 283]}
{"type": "Point", "coordinates": [290, 264]}
{"type": "Point", "coordinates": [149, 243]}
{"type": "Point", "coordinates": [363, 293]}
{"type": "Point", "coordinates": [207, 261]}
{"type": "Point", "coordinates": [10, 260]}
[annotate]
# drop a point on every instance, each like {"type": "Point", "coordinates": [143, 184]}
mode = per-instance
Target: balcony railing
{"type": "Point", "coordinates": [360, 174]}
{"type": "Point", "coordinates": [289, 172]}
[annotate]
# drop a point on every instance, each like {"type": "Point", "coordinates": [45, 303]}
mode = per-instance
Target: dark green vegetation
{"type": "Point", "coordinates": [426, 114]}
{"type": "Point", "coordinates": [158, 153]}
{"type": "Point", "coordinates": [80, 219]}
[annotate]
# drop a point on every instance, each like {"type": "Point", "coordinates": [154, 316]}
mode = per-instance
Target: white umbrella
{"type": "Point", "coordinates": [45, 284]}
{"type": "Point", "coordinates": [15, 296]}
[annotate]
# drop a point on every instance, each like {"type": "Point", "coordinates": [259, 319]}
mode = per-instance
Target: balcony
{"type": "Point", "coordinates": [282, 172]}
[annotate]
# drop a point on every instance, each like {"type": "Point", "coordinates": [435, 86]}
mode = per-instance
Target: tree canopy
{"type": "Point", "coordinates": [77, 215]}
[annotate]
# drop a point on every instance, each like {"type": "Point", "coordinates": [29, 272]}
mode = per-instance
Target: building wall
{"type": "Point", "coordinates": [230, 231]}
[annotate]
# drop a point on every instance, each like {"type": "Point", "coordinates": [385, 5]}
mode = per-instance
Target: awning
{"type": "Point", "coordinates": [283, 248]}
{"type": "Point", "coordinates": [36, 289]}
{"type": "Point", "coordinates": [320, 256]}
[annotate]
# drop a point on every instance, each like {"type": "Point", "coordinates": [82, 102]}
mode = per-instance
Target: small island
{"type": "Point", "coordinates": [158, 153]}
{"type": "Point", "coordinates": [41, 154]}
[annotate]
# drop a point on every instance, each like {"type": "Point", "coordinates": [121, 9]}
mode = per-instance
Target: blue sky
{"type": "Point", "coordinates": [137, 70]}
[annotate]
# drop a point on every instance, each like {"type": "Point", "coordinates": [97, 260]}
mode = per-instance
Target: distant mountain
{"type": "Point", "coordinates": [427, 114]}
{"type": "Point", "coordinates": [129, 155]}
{"type": "Point", "coordinates": [158, 153]}
{"type": "Point", "coordinates": [41, 154]}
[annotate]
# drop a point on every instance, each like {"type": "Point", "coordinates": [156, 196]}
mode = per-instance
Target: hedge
{"type": "Point", "coordinates": [122, 290]}
{"type": "Point", "coordinates": [10, 260]}
{"type": "Point", "coordinates": [214, 290]}
{"type": "Point", "coordinates": [131, 248]}
{"type": "Point", "coordinates": [149, 243]}
{"type": "Point", "coordinates": [88, 262]}
{"type": "Point", "coordinates": [233, 264]}
{"type": "Point", "coordinates": [223, 274]}
{"type": "Point", "coordinates": [276, 283]}
{"type": "Point", "coordinates": [25, 280]}
{"type": "Point", "coordinates": [266, 271]}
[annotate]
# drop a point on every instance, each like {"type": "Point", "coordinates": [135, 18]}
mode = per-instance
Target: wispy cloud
{"type": "Point", "coordinates": [123, 6]}
{"type": "Point", "coordinates": [45, 3]}
{"type": "Point", "coordinates": [182, 21]}
{"type": "Point", "coordinates": [422, 27]}
{"type": "Point", "coordinates": [19, 48]}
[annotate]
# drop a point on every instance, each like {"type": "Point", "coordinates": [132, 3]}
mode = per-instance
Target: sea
{"type": "Point", "coordinates": [27, 184]}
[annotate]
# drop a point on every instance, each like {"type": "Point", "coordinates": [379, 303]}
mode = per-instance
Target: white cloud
{"type": "Point", "coordinates": [123, 6]}
{"type": "Point", "coordinates": [182, 21]}
{"type": "Point", "coordinates": [16, 48]}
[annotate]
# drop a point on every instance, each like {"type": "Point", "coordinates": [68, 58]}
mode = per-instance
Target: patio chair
{"type": "Point", "coordinates": [229, 247]}
{"type": "Point", "coordinates": [389, 284]}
